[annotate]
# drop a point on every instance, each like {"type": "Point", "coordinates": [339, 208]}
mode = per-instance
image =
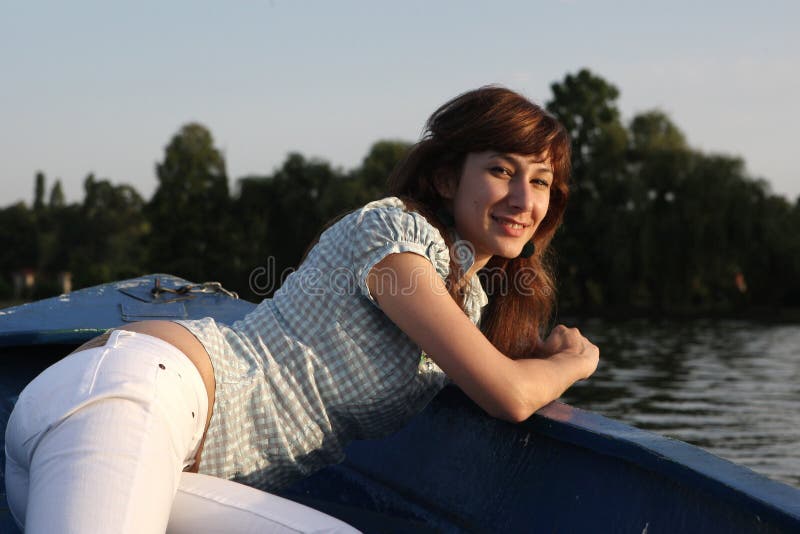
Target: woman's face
{"type": "Point", "coordinates": [500, 201]}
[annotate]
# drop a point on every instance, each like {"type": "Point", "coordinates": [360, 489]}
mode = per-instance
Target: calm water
{"type": "Point", "coordinates": [730, 387]}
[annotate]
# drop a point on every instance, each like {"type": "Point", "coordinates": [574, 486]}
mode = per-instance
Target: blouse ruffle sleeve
{"type": "Point", "coordinates": [386, 227]}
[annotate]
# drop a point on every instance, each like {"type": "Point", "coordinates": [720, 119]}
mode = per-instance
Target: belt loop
{"type": "Point", "coordinates": [113, 339]}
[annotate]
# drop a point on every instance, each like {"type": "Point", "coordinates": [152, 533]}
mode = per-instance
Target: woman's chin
{"type": "Point", "coordinates": [509, 254]}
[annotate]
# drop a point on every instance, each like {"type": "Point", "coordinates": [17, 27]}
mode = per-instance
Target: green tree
{"type": "Point", "coordinates": [56, 196]}
{"type": "Point", "coordinates": [296, 209]}
{"type": "Point", "coordinates": [586, 106]}
{"type": "Point", "coordinates": [40, 184]}
{"type": "Point", "coordinates": [189, 210]}
{"type": "Point", "coordinates": [107, 242]}
{"type": "Point", "coordinates": [18, 240]}
{"type": "Point", "coordinates": [653, 131]}
{"type": "Point", "coordinates": [767, 244]}
{"type": "Point", "coordinates": [658, 164]}
{"type": "Point", "coordinates": [250, 241]}
{"type": "Point", "coordinates": [371, 177]}
{"type": "Point", "coordinates": [592, 244]}
{"type": "Point", "coordinates": [368, 181]}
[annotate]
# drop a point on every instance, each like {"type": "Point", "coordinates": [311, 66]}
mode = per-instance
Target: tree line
{"type": "Point", "coordinates": [653, 225]}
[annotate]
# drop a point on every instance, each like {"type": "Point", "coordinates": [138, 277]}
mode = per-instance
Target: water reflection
{"type": "Point", "coordinates": [731, 387]}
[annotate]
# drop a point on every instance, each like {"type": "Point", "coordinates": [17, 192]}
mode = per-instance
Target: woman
{"type": "Point", "coordinates": [382, 312]}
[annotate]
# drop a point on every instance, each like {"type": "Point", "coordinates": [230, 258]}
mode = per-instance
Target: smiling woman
{"type": "Point", "coordinates": [256, 405]}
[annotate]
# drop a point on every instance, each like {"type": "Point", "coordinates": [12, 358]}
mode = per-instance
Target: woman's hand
{"type": "Point", "coordinates": [571, 343]}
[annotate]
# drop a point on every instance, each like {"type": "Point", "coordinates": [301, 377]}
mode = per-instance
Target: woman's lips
{"type": "Point", "coordinates": [511, 227]}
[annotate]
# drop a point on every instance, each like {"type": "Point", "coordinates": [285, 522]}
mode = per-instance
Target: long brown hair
{"type": "Point", "coordinates": [493, 118]}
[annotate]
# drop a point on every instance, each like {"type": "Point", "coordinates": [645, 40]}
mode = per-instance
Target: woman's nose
{"type": "Point", "coordinates": [521, 195]}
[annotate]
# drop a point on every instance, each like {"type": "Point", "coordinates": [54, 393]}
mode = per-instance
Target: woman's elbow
{"type": "Point", "coordinates": [512, 415]}
{"type": "Point", "coordinates": [516, 409]}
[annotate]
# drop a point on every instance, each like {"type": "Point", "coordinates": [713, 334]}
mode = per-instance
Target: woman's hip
{"type": "Point", "coordinates": [131, 368]}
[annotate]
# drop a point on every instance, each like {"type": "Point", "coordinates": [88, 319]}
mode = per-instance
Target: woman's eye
{"type": "Point", "coordinates": [503, 171]}
{"type": "Point", "coordinates": [540, 182]}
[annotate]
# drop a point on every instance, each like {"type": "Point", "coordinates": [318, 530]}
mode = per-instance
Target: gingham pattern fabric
{"type": "Point", "coordinates": [320, 364]}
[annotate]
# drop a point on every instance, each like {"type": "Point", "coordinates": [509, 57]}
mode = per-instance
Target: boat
{"type": "Point", "coordinates": [452, 468]}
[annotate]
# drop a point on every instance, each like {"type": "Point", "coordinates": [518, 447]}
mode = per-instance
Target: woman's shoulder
{"type": "Point", "coordinates": [384, 226]}
{"type": "Point", "coordinates": [388, 207]}
{"type": "Point", "coordinates": [387, 215]}
{"type": "Point", "coordinates": [386, 204]}
{"type": "Point", "coordinates": [392, 217]}
{"type": "Point", "coordinates": [392, 211]}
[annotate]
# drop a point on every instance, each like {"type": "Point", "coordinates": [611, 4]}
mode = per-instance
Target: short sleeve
{"type": "Point", "coordinates": [386, 227]}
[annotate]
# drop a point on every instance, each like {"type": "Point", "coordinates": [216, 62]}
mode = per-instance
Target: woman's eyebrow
{"type": "Point", "coordinates": [505, 156]}
{"type": "Point", "coordinates": [544, 169]}
{"type": "Point", "coordinates": [541, 165]}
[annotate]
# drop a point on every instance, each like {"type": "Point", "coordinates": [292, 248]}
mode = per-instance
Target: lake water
{"type": "Point", "coordinates": [730, 387]}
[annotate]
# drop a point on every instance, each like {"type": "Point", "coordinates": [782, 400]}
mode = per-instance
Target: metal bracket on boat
{"type": "Point", "coordinates": [205, 287]}
{"type": "Point", "coordinates": [160, 301]}
{"type": "Point", "coordinates": [161, 294]}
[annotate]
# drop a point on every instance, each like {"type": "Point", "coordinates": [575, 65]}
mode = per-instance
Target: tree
{"type": "Point", "coordinates": [586, 106]}
{"type": "Point", "coordinates": [297, 208]}
{"type": "Point", "coordinates": [19, 244]}
{"type": "Point", "coordinates": [597, 219]}
{"type": "Point", "coordinates": [56, 196]}
{"type": "Point", "coordinates": [659, 163]}
{"type": "Point", "coordinates": [115, 225]}
{"type": "Point", "coordinates": [653, 131]}
{"type": "Point", "coordinates": [18, 238]}
{"type": "Point", "coordinates": [367, 182]}
{"type": "Point", "coordinates": [189, 210]}
{"type": "Point", "coordinates": [38, 191]}
{"type": "Point", "coordinates": [372, 175]}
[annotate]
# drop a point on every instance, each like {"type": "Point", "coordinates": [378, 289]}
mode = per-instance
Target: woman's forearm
{"type": "Point", "coordinates": [541, 381]}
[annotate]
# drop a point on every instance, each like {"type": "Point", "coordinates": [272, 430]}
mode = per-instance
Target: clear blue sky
{"type": "Point", "coordinates": [102, 86]}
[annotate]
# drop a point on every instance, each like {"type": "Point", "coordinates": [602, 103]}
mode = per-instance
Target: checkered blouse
{"type": "Point", "coordinates": [319, 364]}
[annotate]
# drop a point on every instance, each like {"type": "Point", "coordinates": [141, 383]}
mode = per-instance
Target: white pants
{"type": "Point", "coordinates": [98, 443]}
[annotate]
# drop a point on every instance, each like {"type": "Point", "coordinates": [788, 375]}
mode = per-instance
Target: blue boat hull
{"type": "Point", "coordinates": [452, 469]}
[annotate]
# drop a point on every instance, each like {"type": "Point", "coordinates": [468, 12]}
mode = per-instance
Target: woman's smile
{"type": "Point", "coordinates": [512, 227]}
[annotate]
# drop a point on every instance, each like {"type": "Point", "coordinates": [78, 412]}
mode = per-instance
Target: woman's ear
{"type": "Point", "coordinates": [445, 184]}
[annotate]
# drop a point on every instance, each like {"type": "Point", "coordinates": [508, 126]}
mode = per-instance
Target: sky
{"type": "Point", "coordinates": [102, 86]}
